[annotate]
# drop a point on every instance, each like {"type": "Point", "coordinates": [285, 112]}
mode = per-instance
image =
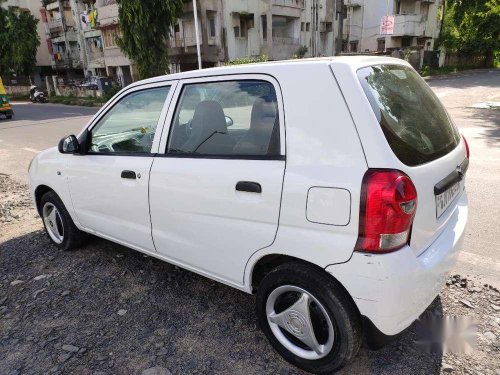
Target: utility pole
{"type": "Point", "coordinates": [195, 10]}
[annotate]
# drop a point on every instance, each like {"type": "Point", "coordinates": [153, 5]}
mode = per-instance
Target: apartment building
{"type": "Point", "coordinates": [43, 60]}
{"type": "Point", "coordinates": [73, 39]}
{"type": "Point", "coordinates": [118, 65]}
{"type": "Point", "coordinates": [81, 35]}
{"type": "Point", "coordinates": [416, 24]}
{"type": "Point", "coordinates": [232, 29]}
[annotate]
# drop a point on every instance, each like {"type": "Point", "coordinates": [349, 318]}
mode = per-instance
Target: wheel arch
{"type": "Point", "coordinates": [262, 266]}
{"type": "Point", "coordinates": [39, 193]}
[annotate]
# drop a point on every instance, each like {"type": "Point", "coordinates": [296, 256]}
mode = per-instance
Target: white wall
{"type": "Point", "coordinates": [42, 53]}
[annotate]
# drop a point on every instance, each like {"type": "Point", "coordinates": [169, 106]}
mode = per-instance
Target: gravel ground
{"type": "Point", "coordinates": [105, 309]}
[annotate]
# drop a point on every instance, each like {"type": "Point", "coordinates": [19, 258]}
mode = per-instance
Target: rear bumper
{"type": "Point", "coordinates": [393, 290]}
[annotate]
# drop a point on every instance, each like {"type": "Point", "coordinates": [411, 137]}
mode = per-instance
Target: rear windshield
{"type": "Point", "coordinates": [412, 118]}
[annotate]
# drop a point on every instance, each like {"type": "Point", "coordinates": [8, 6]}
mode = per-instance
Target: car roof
{"type": "Point", "coordinates": [271, 67]}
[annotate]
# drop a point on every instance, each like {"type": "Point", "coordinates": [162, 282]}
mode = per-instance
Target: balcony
{"type": "Point", "coordinates": [55, 24]}
{"type": "Point", "coordinates": [96, 59]}
{"type": "Point", "coordinates": [351, 31]}
{"type": "Point", "coordinates": [283, 48]}
{"type": "Point", "coordinates": [409, 25]}
{"type": "Point", "coordinates": [108, 13]}
{"type": "Point", "coordinates": [287, 41]}
{"type": "Point", "coordinates": [353, 3]}
{"type": "Point", "coordinates": [289, 3]}
{"type": "Point", "coordinates": [71, 61]}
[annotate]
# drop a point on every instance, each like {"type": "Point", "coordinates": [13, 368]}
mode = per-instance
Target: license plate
{"type": "Point", "coordinates": [444, 200]}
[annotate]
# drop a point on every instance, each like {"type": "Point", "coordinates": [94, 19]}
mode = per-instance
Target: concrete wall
{"type": "Point", "coordinates": [17, 90]}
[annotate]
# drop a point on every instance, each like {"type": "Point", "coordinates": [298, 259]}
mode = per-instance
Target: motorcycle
{"type": "Point", "coordinates": [37, 95]}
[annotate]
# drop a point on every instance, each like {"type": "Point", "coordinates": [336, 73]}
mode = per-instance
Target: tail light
{"type": "Point", "coordinates": [388, 205]}
{"type": "Point", "coordinates": [467, 152]}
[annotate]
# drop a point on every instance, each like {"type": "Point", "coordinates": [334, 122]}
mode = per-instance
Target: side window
{"type": "Point", "coordinates": [229, 118]}
{"type": "Point", "coordinates": [130, 126]}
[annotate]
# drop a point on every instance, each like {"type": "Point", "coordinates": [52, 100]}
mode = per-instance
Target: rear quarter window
{"type": "Point", "coordinates": [411, 116]}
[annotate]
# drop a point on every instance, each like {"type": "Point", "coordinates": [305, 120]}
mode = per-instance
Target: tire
{"type": "Point", "coordinates": [71, 237]}
{"type": "Point", "coordinates": [8, 117]}
{"type": "Point", "coordinates": [326, 295]}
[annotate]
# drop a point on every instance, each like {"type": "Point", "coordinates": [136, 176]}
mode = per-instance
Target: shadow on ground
{"type": "Point", "coordinates": [174, 318]}
{"type": "Point", "coordinates": [489, 121]}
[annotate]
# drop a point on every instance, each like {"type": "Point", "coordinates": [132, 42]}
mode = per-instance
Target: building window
{"type": "Point", "coordinates": [211, 24]}
{"type": "Point", "coordinates": [381, 45]}
{"type": "Point", "coordinates": [177, 28]}
{"type": "Point", "coordinates": [398, 7]}
{"type": "Point", "coordinates": [236, 31]}
{"type": "Point", "coordinates": [353, 46]}
{"type": "Point", "coordinates": [243, 29]}
{"type": "Point", "coordinates": [264, 26]}
{"type": "Point", "coordinates": [406, 41]}
{"type": "Point", "coordinates": [328, 27]}
{"type": "Point", "coordinates": [344, 46]}
{"type": "Point", "coordinates": [246, 22]}
{"type": "Point", "coordinates": [308, 26]}
{"type": "Point", "coordinates": [302, 26]}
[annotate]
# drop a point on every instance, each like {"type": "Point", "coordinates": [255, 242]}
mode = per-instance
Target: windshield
{"type": "Point", "coordinates": [412, 118]}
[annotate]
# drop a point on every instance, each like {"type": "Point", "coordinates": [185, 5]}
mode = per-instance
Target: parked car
{"type": "Point", "coordinates": [332, 188]}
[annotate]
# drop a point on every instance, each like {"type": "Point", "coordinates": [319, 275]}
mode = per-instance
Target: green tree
{"type": "Point", "coordinates": [472, 26]}
{"type": "Point", "coordinates": [18, 42]}
{"type": "Point", "coordinates": [145, 27]}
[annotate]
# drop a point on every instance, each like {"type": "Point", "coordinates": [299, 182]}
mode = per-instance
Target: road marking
{"type": "Point", "coordinates": [30, 150]}
{"type": "Point", "coordinates": [73, 113]}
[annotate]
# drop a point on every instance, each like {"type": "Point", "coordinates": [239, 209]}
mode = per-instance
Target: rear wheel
{"type": "Point", "coordinates": [308, 318]}
{"type": "Point", "coordinates": [58, 224]}
{"type": "Point", "coordinates": [8, 117]}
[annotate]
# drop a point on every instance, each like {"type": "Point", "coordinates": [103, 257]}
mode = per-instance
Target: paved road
{"type": "Point", "coordinates": [36, 127]}
{"type": "Point", "coordinates": [481, 127]}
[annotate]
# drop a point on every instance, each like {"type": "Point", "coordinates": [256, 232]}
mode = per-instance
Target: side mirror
{"type": "Point", "coordinates": [229, 121]}
{"type": "Point", "coordinates": [69, 145]}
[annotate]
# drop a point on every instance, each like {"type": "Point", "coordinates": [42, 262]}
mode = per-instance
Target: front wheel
{"type": "Point", "coordinates": [308, 318]}
{"type": "Point", "coordinates": [58, 224]}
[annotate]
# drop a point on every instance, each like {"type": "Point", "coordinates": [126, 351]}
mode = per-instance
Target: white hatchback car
{"type": "Point", "coordinates": [332, 188]}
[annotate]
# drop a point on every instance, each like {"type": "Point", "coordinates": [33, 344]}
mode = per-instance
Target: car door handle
{"type": "Point", "coordinates": [249, 186]}
{"type": "Point", "coordinates": [129, 174]}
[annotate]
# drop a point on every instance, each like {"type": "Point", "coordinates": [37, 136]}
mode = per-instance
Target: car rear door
{"type": "Point", "coordinates": [408, 129]}
{"type": "Point", "coordinates": [109, 184]}
{"type": "Point", "coordinates": [215, 186]}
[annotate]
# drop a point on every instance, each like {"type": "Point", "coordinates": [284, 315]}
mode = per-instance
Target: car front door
{"type": "Point", "coordinates": [215, 186]}
{"type": "Point", "coordinates": [109, 184]}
